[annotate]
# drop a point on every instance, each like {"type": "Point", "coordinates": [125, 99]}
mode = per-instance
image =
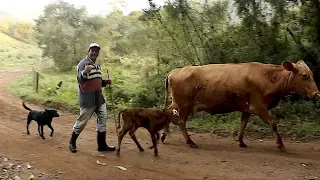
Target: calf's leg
{"type": "Point", "coordinates": [158, 136]}
{"type": "Point", "coordinates": [122, 133]}
{"type": "Point", "coordinates": [165, 133]}
{"type": "Point", "coordinates": [154, 142]}
{"type": "Point", "coordinates": [133, 136]}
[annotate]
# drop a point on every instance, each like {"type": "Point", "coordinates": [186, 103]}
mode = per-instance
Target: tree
{"type": "Point", "coordinates": [61, 35]}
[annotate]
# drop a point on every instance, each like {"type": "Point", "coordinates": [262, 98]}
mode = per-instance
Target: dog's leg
{"type": "Point", "coordinates": [28, 122]}
{"type": "Point", "coordinates": [49, 125]}
{"type": "Point", "coordinates": [39, 130]}
{"type": "Point", "coordinates": [42, 132]}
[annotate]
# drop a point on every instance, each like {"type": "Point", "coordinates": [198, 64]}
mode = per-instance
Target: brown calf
{"type": "Point", "coordinates": [152, 119]}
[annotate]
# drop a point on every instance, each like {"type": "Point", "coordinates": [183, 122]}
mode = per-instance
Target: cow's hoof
{"type": "Point", "coordinates": [118, 154]}
{"type": "Point", "coordinates": [193, 145]}
{"type": "Point", "coordinates": [156, 155]}
{"type": "Point", "coordinates": [163, 137]}
{"type": "Point", "coordinates": [141, 150]}
{"type": "Point", "coordinates": [243, 145]}
{"type": "Point", "coordinates": [282, 148]}
{"type": "Point", "coordinates": [151, 147]}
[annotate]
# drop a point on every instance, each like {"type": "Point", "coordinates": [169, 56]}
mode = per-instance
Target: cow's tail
{"type": "Point", "coordinates": [23, 104]}
{"type": "Point", "coordinates": [166, 92]}
{"type": "Point", "coordinates": [118, 123]}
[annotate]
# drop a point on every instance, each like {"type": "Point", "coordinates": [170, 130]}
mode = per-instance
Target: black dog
{"type": "Point", "coordinates": [42, 117]}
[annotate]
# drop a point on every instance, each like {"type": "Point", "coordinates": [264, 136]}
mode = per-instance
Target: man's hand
{"type": "Point", "coordinates": [106, 82]}
{"type": "Point", "coordinates": [87, 68]}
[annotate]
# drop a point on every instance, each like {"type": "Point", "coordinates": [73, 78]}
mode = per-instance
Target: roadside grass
{"type": "Point", "coordinates": [65, 99]}
{"type": "Point", "coordinates": [293, 125]}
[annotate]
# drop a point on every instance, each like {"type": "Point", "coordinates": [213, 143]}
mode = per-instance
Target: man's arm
{"type": "Point", "coordinates": [82, 71]}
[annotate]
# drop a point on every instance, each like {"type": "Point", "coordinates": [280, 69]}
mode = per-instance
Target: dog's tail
{"type": "Point", "coordinates": [26, 107]}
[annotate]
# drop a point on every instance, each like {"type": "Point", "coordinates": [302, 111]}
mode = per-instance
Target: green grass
{"type": "Point", "coordinates": [65, 99]}
{"type": "Point", "coordinates": [17, 54]}
{"type": "Point", "coordinates": [293, 126]}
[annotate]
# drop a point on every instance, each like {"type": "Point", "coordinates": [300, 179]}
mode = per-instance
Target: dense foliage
{"type": "Point", "coordinates": [141, 47]}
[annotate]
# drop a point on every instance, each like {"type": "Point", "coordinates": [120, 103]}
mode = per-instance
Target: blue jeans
{"type": "Point", "coordinates": [86, 114]}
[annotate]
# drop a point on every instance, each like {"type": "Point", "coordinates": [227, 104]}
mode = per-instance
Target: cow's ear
{"type": "Point", "coordinates": [288, 66]}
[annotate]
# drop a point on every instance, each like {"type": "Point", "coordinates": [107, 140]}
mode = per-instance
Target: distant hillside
{"type": "Point", "coordinates": [6, 16]}
{"type": "Point", "coordinates": [14, 53]}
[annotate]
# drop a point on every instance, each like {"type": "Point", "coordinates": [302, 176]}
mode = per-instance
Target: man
{"type": "Point", "coordinates": [91, 99]}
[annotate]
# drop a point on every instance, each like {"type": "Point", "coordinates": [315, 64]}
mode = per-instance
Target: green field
{"type": "Point", "coordinates": [17, 54]}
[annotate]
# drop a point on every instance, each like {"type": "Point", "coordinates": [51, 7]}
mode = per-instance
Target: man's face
{"type": "Point", "coordinates": [93, 53]}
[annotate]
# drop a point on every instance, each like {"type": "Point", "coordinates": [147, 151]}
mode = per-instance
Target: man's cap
{"type": "Point", "coordinates": [93, 45]}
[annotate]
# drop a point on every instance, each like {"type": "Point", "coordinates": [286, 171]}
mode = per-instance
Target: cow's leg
{"type": "Point", "coordinates": [133, 137]}
{"type": "Point", "coordinates": [184, 117]}
{"type": "Point", "coordinates": [266, 117]}
{"type": "Point", "coordinates": [165, 132]}
{"type": "Point", "coordinates": [244, 121]}
{"type": "Point", "coordinates": [122, 133]}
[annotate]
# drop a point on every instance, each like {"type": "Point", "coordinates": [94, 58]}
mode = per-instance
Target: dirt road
{"type": "Point", "coordinates": [216, 158]}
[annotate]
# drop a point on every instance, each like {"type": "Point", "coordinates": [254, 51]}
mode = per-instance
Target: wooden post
{"type": "Point", "coordinates": [33, 77]}
{"type": "Point", "coordinates": [37, 81]}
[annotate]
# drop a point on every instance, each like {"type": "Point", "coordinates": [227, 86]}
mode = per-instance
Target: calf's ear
{"type": "Point", "coordinates": [175, 112]}
{"type": "Point", "coordinates": [288, 66]}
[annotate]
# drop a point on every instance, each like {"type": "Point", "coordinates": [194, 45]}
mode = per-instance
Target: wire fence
{"type": "Point", "coordinates": [42, 64]}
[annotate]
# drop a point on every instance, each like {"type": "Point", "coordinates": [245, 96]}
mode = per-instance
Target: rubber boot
{"type": "Point", "coordinates": [102, 145]}
{"type": "Point", "coordinates": [72, 142]}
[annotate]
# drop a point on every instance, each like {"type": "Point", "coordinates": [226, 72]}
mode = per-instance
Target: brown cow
{"type": "Point", "coordinates": [152, 119]}
{"type": "Point", "coordinates": [250, 88]}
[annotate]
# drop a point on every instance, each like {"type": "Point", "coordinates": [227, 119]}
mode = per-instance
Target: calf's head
{"type": "Point", "coordinates": [173, 115]}
{"type": "Point", "coordinates": [301, 80]}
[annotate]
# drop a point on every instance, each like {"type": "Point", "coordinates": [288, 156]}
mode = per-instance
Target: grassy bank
{"type": "Point", "coordinates": [17, 54]}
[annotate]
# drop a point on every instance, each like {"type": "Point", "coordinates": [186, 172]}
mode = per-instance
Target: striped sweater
{"type": "Point", "coordinates": [89, 84]}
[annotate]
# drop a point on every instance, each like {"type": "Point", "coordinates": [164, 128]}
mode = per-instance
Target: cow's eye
{"type": "Point", "coordinates": [305, 76]}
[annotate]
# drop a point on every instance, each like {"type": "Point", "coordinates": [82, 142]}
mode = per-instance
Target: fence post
{"type": "Point", "coordinates": [33, 77]}
{"type": "Point", "coordinates": [37, 81]}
